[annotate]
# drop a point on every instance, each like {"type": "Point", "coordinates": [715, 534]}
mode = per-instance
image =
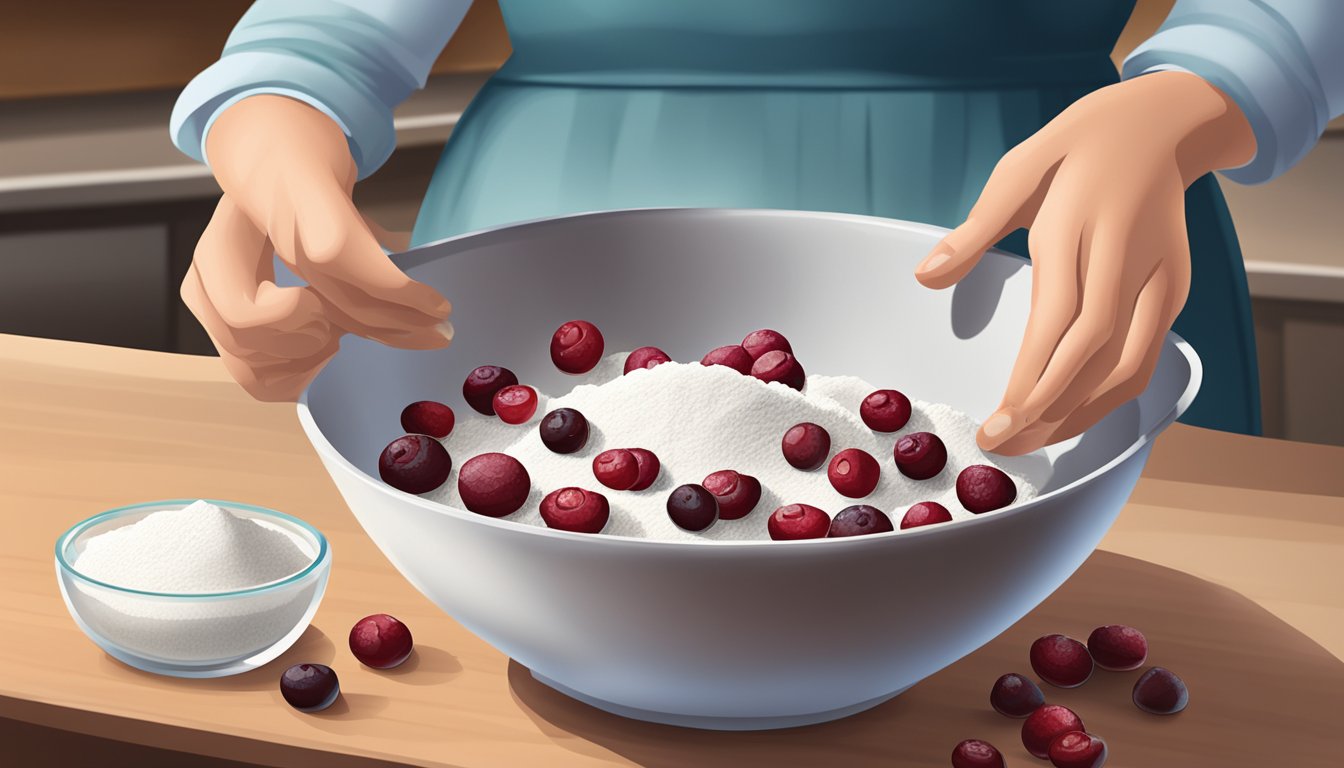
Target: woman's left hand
{"type": "Point", "coordinates": [1101, 189]}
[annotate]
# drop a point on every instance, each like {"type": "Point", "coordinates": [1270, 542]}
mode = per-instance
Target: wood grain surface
{"type": "Point", "coordinates": [84, 428]}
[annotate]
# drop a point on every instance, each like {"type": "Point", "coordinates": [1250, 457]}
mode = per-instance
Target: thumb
{"type": "Point", "coordinates": [1014, 186]}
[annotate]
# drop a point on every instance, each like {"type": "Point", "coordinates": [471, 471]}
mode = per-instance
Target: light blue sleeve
{"type": "Point", "coordinates": [355, 61]}
{"type": "Point", "coordinates": [1281, 61]}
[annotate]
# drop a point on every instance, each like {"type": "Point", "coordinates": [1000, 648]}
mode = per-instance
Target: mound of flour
{"type": "Point", "coordinates": [701, 419]}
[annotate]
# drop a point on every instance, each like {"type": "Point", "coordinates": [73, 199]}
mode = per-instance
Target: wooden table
{"type": "Point", "coordinates": [1229, 557]}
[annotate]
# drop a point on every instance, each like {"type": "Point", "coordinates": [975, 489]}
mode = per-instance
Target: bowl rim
{"type": "Point", "coordinates": [327, 452]}
{"type": "Point", "coordinates": [323, 550]}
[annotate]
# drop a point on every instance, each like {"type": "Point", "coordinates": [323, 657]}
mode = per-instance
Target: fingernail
{"type": "Point", "coordinates": [934, 261]}
{"type": "Point", "coordinates": [446, 328]}
{"type": "Point", "coordinates": [998, 424]}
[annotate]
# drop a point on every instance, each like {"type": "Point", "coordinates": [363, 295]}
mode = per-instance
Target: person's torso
{"type": "Point", "coordinates": [813, 43]}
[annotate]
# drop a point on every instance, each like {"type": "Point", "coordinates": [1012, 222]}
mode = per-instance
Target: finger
{"type": "Point", "coordinates": [336, 250]}
{"type": "Point", "coordinates": [1055, 243]}
{"type": "Point", "coordinates": [278, 382]}
{"type": "Point", "coordinates": [1143, 348]}
{"type": "Point", "coordinates": [1090, 333]}
{"type": "Point", "coordinates": [1015, 180]}
{"type": "Point", "coordinates": [233, 264]}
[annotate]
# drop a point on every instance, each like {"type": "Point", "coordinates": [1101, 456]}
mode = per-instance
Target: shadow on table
{"type": "Point", "coordinates": [1261, 693]}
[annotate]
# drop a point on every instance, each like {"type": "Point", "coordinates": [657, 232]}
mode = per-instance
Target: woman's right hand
{"type": "Point", "coordinates": [287, 177]}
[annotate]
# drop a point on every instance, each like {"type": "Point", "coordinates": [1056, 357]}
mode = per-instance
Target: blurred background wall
{"type": "Point", "coordinates": [99, 213]}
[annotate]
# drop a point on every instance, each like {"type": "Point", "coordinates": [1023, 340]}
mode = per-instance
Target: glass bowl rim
{"type": "Point", "coordinates": [76, 530]}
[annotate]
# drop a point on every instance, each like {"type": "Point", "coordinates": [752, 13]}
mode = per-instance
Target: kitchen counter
{"type": "Point", "coordinates": [1228, 556]}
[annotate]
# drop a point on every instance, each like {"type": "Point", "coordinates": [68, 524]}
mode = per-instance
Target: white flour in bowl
{"type": "Point", "coordinates": [197, 549]}
{"type": "Point", "coordinates": [701, 419]}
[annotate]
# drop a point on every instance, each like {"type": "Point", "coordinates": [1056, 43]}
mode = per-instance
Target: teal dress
{"type": "Point", "coordinates": [896, 109]}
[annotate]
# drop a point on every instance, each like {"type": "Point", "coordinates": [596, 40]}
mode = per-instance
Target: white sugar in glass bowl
{"type": "Point", "coordinates": [731, 634]}
{"type": "Point", "coordinates": [194, 635]}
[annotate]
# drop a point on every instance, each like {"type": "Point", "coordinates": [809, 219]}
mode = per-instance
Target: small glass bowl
{"type": "Point", "coordinates": [193, 635]}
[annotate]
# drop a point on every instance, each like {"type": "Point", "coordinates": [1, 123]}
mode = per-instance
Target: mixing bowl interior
{"type": "Point", "coordinates": [688, 280]}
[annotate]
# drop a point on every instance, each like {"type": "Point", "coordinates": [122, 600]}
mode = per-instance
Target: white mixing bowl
{"type": "Point", "coordinates": [731, 635]}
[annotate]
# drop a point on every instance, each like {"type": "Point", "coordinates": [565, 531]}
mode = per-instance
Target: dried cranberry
{"type": "Point", "coordinates": [493, 484]}
{"type": "Point", "coordinates": [982, 488]}
{"type": "Point", "coordinates": [733, 356]}
{"type": "Point", "coordinates": [757, 343]}
{"type": "Point", "coordinates": [885, 410]}
{"type": "Point", "coordinates": [481, 385]}
{"type": "Point", "coordinates": [415, 464]}
{"type": "Point", "coordinates": [645, 357]}
{"type": "Point", "coordinates": [798, 521]}
{"type": "Point", "coordinates": [576, 510]}
{"type": "Point", "coordinates": [853, 473]}
{"type": "Point", "coordinates": [426, 417]}
{"type": "Point", "coordinates": [974, 753]}
{"type": "Point", "coordinates": [564, 430]}
{"type": "Point", "coordinates": [925, 513]}
{"type": "Point", "coordinates": [1077, 749]}
{"type": "Point", "coordinates": [515, 404]}
{"type": "Point", "coordinates": [692, 507]}
{"type": "Point", "coordinates": [859, 520]}
{"type": "Point", "coordinates": [736, 493]}
{"type": "Point", "coordinates": [781, 367]}
{"type": "Point", "coordinates": [310, 687]}
{"type": "Point", "coordinates": [1160, 692]}
{"type": "Point", "coordinates": [806, 445]}
{"type": "Point", "coordinates": [920, 455]}
{"type": "Point", "coordinates": [617, 468]}
{"type": "Point", "coordinates": [380, 641]}
{"type": "Point", "coordinates": [1015, 696]}
{"type": "Point", "coordinates": [1046, 723]}
{"type": "Point", "coordinates": [648, 465]}
{"type": "Point", "coordinates": [1117, 647]}
{"type": "Point", "coordinates": [1061, 661]}
{"type": "Point", "coordinates": [576, 347]}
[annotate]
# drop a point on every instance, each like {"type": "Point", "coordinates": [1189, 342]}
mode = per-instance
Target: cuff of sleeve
{"type": "Point", "coordinates": [1278, 104]}
{"type": "Point", "coordinates": [365, 121]}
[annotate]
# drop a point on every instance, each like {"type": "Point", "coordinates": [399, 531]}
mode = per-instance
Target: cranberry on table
{"type": "Point", "coordinates": [645, 357]}
{"type": "Point", "coordinates": [481, 385]}
{"type": "Point", "coordinates": [1160, 692]}
{"type": "Point", "coordinates": [493, 484]}
{"type": "Point", "coordinates": [806, 445]}
{"type": "Point", "coordinates": [515, 404]}
{"type": "Point", "coordinates": [380, 641]}
{"type": "Point", "coordinates": [564, 430]}
{"type": "Point", "coordinates": [648, 464]}
{"type": "Point", "coordinates": [920, 455]}
{"type": "Point", "coordinates": [885, 410]}
{"type": "Point", "coordinates": [1045, 724]}
{"type": "Point", "coordinates": [1117, 647]}
{"type": "Point", "coordinates": [733, 356]}
{"type": "Point", "coordinates": [1061, 661]}
{"type": "Point", "coordinates": [575, 510]}
{"type": "Point", "coordinates": [781, 367]}
{"type": "Point", "coordinates": [427, 417]}
{"type": "Point", "coordinates": [798, 521]}
{"type": "Point", "coordinates": [576, 347]}
{"type": "Point", "coordinates": [974, 753]}
{"type": "Point", "coordinates": [1015, 696]}
{"type": "Point", "coordinates": [925, 513]}
{"type": "Point", "coordinates": [617, 468]}
{"type": "Point", "coordinates": [692, 507]}
{"type": "Point", "coordinates": [982, 488]}
{"type": "Point", "coordinates": [859, 520]}
{"type": "Point", "coordinates": [310, 687]}
{"type": "Point", "coordinates": [757, 343]}
{"type": "Point", "coordinates": [1077, 749]}
{"type": "Point", "coordinates": [736, 493]}
{"type": "Point", "coordinates": [415, 464]}
{"type": "Point", "coordinates": [854, 473]}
